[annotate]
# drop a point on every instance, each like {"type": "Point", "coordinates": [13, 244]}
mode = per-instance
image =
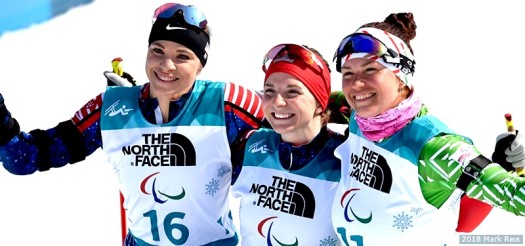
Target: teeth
{"type": "Point", "coordinates": [282, 116]}
{"type": "Point", "coordinates": [360, 97]}
{"type": "Point", "coordinates": [167, 79]}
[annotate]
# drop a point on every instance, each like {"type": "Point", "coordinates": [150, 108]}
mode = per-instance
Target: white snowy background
{"type": "Point", "coordinates": [469, 71]}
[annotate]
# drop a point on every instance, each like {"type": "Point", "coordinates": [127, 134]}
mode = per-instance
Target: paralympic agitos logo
{"type": "Point", "coordinates": [157, 193]}
{"type": "Point", "coordinates": [268, 223]}
{"type": "Point", "coordinates": [349, 210]}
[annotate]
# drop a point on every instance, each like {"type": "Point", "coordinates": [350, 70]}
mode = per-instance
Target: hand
{"type": "Point", "coordinates": [114, 79]}
{"type": "Point", "coordinates": [8, 125]}
{"type": "Point", "coordinates": [515, 153]}
{"type": "Point", "coordinates": [509, 151]}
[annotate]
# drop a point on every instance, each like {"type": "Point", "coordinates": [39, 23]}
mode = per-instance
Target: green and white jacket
{"type": "Point", "coordinates": [394, 191]}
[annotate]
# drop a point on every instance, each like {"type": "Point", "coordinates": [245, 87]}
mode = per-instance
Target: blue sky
{"type": "Point", "coordinates": [467, 72]}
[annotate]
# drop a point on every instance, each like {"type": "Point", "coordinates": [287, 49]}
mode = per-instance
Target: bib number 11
{"type": "Point", "coordinates": [358, 239]}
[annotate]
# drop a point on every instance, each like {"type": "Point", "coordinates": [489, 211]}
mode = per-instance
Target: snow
{"type": "Point", "coordinates": [467, 73]}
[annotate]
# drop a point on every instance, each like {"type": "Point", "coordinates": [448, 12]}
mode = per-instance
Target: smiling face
{"type": "Point", "coordinates": [369, 87]}
{"type": "Point", "coordinates": [291, 108]}
{"type": "Point", "coordinates": [171, 68]}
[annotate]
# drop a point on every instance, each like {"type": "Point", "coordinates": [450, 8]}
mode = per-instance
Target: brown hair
{"type": "Point", "coordinates": [401, 25]}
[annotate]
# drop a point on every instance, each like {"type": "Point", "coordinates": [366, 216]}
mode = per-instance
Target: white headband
{"type": "Point", "coordinates": [392, 42]}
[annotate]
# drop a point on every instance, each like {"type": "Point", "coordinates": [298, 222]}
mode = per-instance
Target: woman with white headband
{"type": "Point", "coordinates": [403, 170]}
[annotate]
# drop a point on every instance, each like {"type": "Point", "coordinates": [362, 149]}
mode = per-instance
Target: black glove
{"type": "Point", "coordinates": [114, 79]}
{"type": "Point", "coordinates": [503, 145]}
{"type": "Point", "coordinates": [8, 125]}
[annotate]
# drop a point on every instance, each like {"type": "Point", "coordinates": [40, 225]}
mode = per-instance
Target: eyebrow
{"type": "Point", "coordinates": [363, 65]}
{"type": "Point", "coordinates": [158, 44]}
{"type": "Point", "coordinates": [369, 62]}
{"type": "Point", "coordinates": [180, 50]}
{"type": "Point", "coordinates": [266, 84]}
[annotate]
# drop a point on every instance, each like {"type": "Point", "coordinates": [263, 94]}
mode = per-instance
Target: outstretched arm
{"type": "Point", "coordinates": [24, 153]}
{"type": "Point", "coordinates": [448, 157]}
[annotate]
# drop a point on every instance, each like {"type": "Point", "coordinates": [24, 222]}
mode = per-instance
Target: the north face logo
{"type": "Point", "coordinates": [285, 195]}
{"type": "Point", "coordinates": [164, 149]}
{"type": "Point", "coordinates": [372, 170]}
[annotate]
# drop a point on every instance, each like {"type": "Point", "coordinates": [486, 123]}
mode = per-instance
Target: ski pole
{"type": "Point", "coordinates": [510, 128]}
{"type": "Point", "coordinates": [510, 124]}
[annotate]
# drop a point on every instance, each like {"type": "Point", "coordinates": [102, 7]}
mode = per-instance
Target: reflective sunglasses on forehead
{"type": "Point", "coordinates": [290, 52]}
{"type": "Point", "coordinates": [366, 43]}
{"type": "Point", "coordinates": [190, 14]}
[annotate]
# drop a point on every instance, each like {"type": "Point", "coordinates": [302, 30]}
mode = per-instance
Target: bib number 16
{"type": "Point", "coordinates": [170, 227]}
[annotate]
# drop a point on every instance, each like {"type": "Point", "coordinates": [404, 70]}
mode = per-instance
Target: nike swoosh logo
{"type": "Point", "coordinates": [168, 27]}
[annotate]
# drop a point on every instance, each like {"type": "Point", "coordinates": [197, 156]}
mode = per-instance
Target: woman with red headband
{"type": "Point", "coordinates": [289, 172]}
{"type": "Point", "coordinates": [169, 141]}
{"type": "Point", "coordinates": [404, 171]}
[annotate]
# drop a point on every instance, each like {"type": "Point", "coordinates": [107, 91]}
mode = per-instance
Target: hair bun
{"type": "Point", "coordinates": [405, 22]}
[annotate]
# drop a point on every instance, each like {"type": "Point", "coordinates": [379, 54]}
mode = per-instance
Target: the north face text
{"type": "Point", "coordinates": [285, 195]}
{"type": "Point", "coordinates": [164, 149]}
{"type": "Point", "coordinates": [371, 169]}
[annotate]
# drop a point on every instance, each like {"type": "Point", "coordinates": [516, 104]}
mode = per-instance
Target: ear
{"type": "Point", "coordinates": [400, 84]}
{"type": "Point", "coordinates": [200, 70]}
{"type": "Point", "coordinates": [404, 90]}
{"type": "Point", "coordinates": [402, 87]}
{"type": "Point", "coordinates": [319, 109]}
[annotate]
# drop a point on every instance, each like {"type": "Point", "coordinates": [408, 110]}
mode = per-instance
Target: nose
{"type": "Point", "coordinates": [354, 82]}
{"type": "Point", "coordinates": [279, 101]}
{"type": "Point", "coordinates": [168, 64]}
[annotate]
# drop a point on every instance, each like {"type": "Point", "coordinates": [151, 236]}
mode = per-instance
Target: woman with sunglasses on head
{"type": "Point", "coordinates": [289, 172]}
{"type": "Point", "coordinates": [168, 141]}
{"type": "Point", "coordinates": [404, 171]}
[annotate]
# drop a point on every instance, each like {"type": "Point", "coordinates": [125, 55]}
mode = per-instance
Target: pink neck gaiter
{"type": "Point", "coordinates": [391, 121]}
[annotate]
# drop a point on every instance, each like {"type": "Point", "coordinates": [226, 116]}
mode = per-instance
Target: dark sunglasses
{"type": "Point", "coordinates": [190, 14]}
